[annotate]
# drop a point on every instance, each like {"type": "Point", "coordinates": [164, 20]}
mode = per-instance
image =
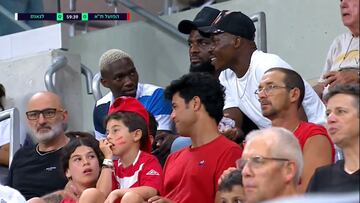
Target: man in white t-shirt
{"type": "Point", "coordinates": [342, 62]}
{"type": "Point", "coordinates": [233, 36]}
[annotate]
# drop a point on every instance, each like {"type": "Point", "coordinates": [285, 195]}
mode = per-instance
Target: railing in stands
{"type": "Point", "coordinates": [96, 86]}
{"type": "Point", "coordinates": [59, 62]}
{"type": "Point", "coordinates": [13, 115]}
{"type": "Point", "coordinates": [261, 32]}
{"type": "Point", "coordinates": [88, 78]}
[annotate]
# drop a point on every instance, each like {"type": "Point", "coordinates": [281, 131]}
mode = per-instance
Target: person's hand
{"type": "Point", "coordinates": [234, 134]}
{"type": "Point", "coordinates": [71, 191]}
{"type": "Point", "coordinates": [158, 199]}
{"type": "Point", "coordinates": [226, 173]}
{"type": "Point", "coordinates": [105, 147]}
{"type": "Point", "coordinates": [344, 76]}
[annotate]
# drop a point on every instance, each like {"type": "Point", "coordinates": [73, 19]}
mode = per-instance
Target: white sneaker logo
{"type": "Point", "coordinates": [152, 172]}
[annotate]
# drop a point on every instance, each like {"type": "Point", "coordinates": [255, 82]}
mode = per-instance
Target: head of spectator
{"type": "Point", "coordinates": [118, 73]}
{"type": "Point", "coordinates": [280, 93]}
{"type": "Point", "coordinates": [2, 96]}
{"type": "Point", "coordinates": [233, 41]}
{"type": "Point", "coordinates": [81, 160]}
{"type": "Point", "coordinates": [349, 10]}
{"type": "Point", "coordinates": [271, 164]}
{"type": "Point", "coordinates": [199, 46]}
{"type": "Point", "coordinates": [343, 117]}
{"type": "Point", "coordinates": [127, 126]}
{"type": "Point", "coordinates": [231, 188]}
{"type": "Point", "coordinates": [195, 96]}
{"type": "Point", "coordinates": [47, 119]}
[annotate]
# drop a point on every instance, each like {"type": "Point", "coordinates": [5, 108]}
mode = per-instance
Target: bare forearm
{"type": "Point", "coordinates": [104, 183]}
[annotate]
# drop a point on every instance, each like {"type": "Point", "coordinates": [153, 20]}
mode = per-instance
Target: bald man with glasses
{"type": "Point", "coordinates": [35, 170]}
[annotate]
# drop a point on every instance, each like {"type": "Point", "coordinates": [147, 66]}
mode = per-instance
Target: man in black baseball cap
{"type": "Point", "coordinates": [242, 66]}
{"type": "Point", "coordinates": [199, 46]}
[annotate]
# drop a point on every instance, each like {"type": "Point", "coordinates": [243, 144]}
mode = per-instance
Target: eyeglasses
{"type": "Point", "coordinates": [256, 161]}
{"type": "Point", "coordinates": [47, 113]}
{"type": "Point", "coordinates": [268, 89]}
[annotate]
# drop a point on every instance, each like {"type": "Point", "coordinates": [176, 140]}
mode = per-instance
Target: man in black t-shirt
{"type": "Point", "coordinates": [35, 171]}
{"type": "Point", "coordinates": [343, 126]}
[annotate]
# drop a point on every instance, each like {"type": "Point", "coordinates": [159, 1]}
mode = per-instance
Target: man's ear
{"type": "Point", "coordinates": [290, 171]}
{"type": "Point", "coordinates": [196, 103]}
{"type": "Point", "coordinates": [237, 42]}
{"type": "Point", "coordinates": [104, 82]}
{"type": "Point", "coordinates": [294, 94]}
{"type": "Point", "coordinates": [137, 134]}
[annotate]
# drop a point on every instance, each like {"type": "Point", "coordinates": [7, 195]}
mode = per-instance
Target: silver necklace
{"type": "Point", "coordinates": [45, 153]}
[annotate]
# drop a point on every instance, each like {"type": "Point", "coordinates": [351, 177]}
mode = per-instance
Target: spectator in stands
{"type": "Point", "coordinates": [4, 132]}
{"type": "Point", "coordinates": [81, 161]}
{"type": "Point", "coordinates": [342, 62]}
{"type": "Point", "coordinates": [35, 170]}
{"type": "Point", "coordinates": [280, 94]}
{"type": "Point", "coordinates": [136, 175]}
{"type": "Point", "coordinates": [118, 73]}
{"type": "Point", "coordinates": [231, 188]}
{"type": "Point", "coordinates": [343, 126]}
{"type": "Point", "coordinates": [271, 164]}
{"type": "Point", "coordinates": [243, 65]}
{"type": "Point", "coordinates": [199, 53]}
{"type": "Point", "coordinates": [8, 194]}
{"type": "Point", "coordinates": [199, 46]}
{"type": "Point", "coordinates": [191, 174]}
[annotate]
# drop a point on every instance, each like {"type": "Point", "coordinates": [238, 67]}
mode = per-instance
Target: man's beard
{"type": "Point", "coordinates": [54, 131]}
{"type": "Point", "coordinates": [205, 67]}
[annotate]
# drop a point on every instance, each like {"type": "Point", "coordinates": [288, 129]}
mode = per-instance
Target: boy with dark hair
{"type": "Point", "coordinates": [136, 175]}
{"type": "Point", "coordinates": [231, 188]}
{"type": "Point", "coordinates": [192, 173]}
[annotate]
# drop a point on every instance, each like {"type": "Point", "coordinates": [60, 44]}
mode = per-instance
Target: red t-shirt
{"type": "Point", "coordinates": [68, 200]}
{"type": "Point", "coordinates": [145, 171]}
{"type": "Point", "coordinates": [306, 130]}
{"type": "Point", "coordinates": [191, 174]}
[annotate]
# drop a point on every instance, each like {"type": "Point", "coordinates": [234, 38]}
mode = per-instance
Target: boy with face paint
{"type": "Point", "coordinates": [136, 174]}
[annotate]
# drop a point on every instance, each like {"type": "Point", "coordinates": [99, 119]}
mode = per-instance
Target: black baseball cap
{"type": "Point", "coordinates": [204, 18]}
{"type": "Point", "coordinates": [235, 23]}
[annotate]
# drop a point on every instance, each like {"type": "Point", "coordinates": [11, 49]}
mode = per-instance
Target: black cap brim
{"type": "Point", "coordinates": [208, 30]}
{"type": "Point", "coordinates": [185, 26]}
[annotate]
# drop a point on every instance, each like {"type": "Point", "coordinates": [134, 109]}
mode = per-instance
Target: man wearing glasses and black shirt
{"type": "Point", "coordinates": [35, 171]}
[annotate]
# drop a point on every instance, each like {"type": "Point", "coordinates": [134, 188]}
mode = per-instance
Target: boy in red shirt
{"type": "Point", "coordinates": [136, 175]}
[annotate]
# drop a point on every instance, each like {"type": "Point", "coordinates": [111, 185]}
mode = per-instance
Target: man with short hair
{"type": "Point", "coordinates": [242, 65]}
{"type": "Point", "coordinates": [271, 164]}
{"type": "Point", "coordinates": [343, 127]}
{"type": "Point", "coordinates": [191, 174]}
{"type": "Point", "coordinates": [118, 73]}
{"type": "Point", "coordinates": [280, 94]}
{"type": "Point", "coordinates": [35, 170]}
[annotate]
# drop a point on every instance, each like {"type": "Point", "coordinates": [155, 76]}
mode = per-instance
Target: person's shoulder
{"type": "Point", "coordinates": [271, 60]}
{"type": "Point", "coordinates": [227, 145]}
{"type": "Point", "coordinates": [148, 90]}
{"type": "Point", "coordinates": [227, 75]}
{"type": "Point", "coordinates": [312, 125]}
{"type": "Point", "coordinates": [105, 99]}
